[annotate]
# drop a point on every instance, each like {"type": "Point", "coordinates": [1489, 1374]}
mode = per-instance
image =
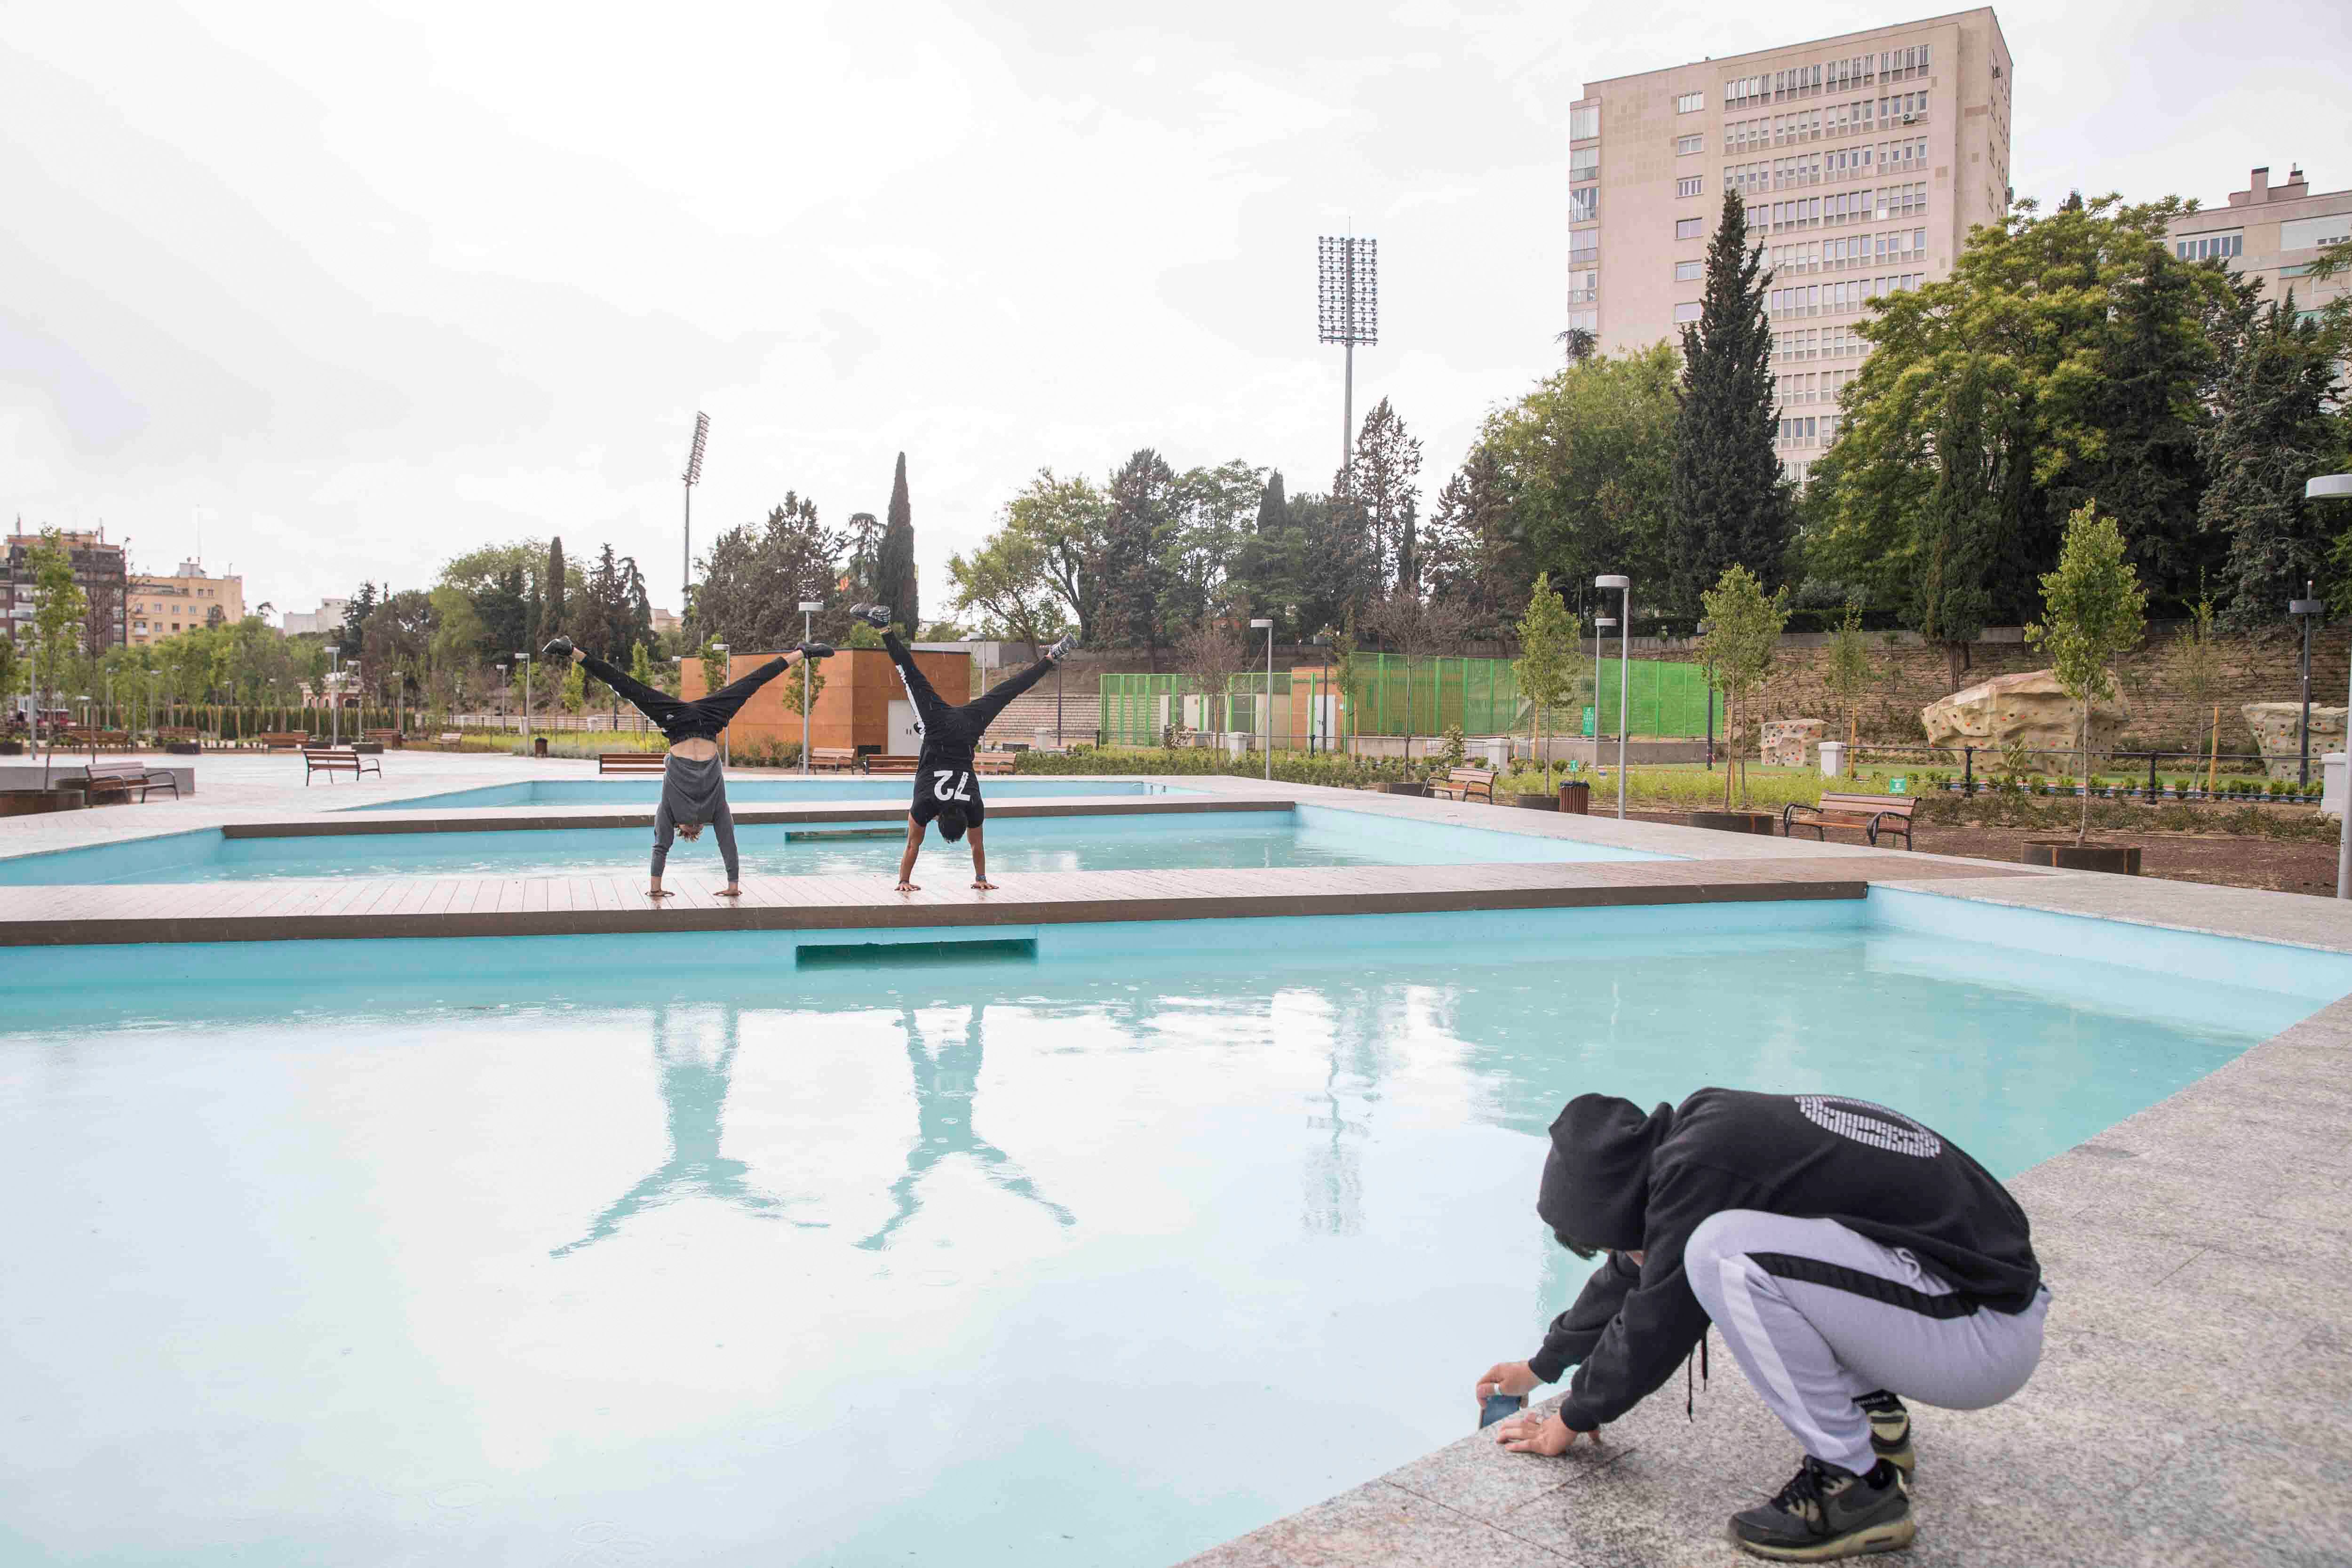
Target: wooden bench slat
{"type": "Point", "coordinates": [1463, 783]}
{"type": "Point", "coordinates": [1869, 815]}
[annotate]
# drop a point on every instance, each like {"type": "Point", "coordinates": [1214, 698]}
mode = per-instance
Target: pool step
{"type": "Point", "coordinates": [814, 835]}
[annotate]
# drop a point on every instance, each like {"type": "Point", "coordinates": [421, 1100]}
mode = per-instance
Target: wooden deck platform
{"type": "Point", "coordinates": [524, 819]}
{"type": "Point", "coordinates": [549, 906]}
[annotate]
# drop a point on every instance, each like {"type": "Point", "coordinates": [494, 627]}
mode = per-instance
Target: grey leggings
{"type": "Point", "coordinates": [1817, 1314]}
{"type": "Point", "coordinates": [722, 826]}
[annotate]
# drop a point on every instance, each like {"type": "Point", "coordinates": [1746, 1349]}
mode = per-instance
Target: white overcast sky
{"type": "Point", "coordinates": [355, 288]}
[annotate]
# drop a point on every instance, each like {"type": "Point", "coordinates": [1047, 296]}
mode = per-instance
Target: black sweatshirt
{"type": "Point", "coordinates": [1618, 1179]}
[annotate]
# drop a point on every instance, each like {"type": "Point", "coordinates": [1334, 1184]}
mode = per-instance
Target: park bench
{"type": "Point", "coordinates": [1870, 814]}
{"type": "Point", "coordinates": [986, 762]}
{"type": "Point", "coordinates": [632, 761]}
{"type": "Point", "coordinates": [1465, 785]}
{"type": "Point", "coordinates": [452, 737]}
{"type": "Point", "coordinates": [282, 739]}
{"type": "Point", "coordinates": [124, 777]}
{"type": "Point", "coordinates": [386, 737]}
{"type": "Point", "coordinates": [890, 764]}
{"type": "Point", "coordinates": [325, 760]}
{"type": "Point", "coordinates": [175, 734]}
{"type": "Point", "coordinates": [833, 759]}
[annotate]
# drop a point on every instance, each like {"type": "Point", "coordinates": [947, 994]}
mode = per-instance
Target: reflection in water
{"type": "Point", "coordinates": [946, 1086]}
{"type": "Point", "coordinates": [694, 1096]}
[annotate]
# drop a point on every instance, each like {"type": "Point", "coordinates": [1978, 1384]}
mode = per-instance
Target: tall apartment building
{"type": "Point", "coordinates": [2272, 232]}
{"type": "Point", "coordinates": [328, 617]}
{"type": "Point", "coordinates": [97, 567]}
{"type": "Point", "coordinates": [1864, 159]}
{"type": "Point", "coordinates": [163, 607]}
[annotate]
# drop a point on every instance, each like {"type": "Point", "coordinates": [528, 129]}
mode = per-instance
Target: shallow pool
{"type": "Point", "coordinates": [1309, 836]}
{"type": "Point", "coordinates": [711, 1249]}
{"type": "Point", "coordinates": [768, 791]}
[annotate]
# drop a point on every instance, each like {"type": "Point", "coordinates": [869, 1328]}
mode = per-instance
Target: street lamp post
{"type": "Point", "coordinates": [1624, 586]}
{"type": "Point", "coordinates": [523, 657]}
{"type": "Point", "coordinates": [504, 685]}
{"type": "Point", "coordinates": [808, 609]}
{"type": "Point", "coordinates": [334, 696]}
{"type": "Point", "coordinates": [1266, 626]}
{"type": "Point", "coordinates": [2307, 610]}
{"type": "Point", "coordinates": [2337, 486]}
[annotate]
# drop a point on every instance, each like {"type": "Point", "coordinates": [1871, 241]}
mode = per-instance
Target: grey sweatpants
{"type": "Point", "coordinates": [1816, 1314]}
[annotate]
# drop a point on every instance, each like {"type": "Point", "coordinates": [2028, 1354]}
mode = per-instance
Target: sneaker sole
{"type": "Point", "coordinates": [1902, 1458]}
{"type": "Point", "coordinates": [1894, 1535]}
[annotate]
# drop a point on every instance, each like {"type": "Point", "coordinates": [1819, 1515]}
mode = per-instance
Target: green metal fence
{"type": "Point", "coordinates": [1397, 696]}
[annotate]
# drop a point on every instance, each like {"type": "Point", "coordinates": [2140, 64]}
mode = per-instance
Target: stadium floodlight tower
{"type": "Point", "coordinates": [1347, 310]}
{"type": "Point", "coordinates": [691, 477]}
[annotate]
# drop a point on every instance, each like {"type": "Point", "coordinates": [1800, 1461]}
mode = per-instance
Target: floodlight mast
{"type": "Point", "coordinates": [691, 477]}
{"type": "Point", "coordinates": [1347, 310]}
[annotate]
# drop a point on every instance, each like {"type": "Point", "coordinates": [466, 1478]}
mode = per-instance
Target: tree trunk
{"type": "Point", "coordinates": [1731, 750]}
{"type": "Point", "coordinates": [2082, 826]}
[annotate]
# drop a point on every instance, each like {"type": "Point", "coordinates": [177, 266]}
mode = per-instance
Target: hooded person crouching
{"type": "Point", "coordinates": [1851, 1257]}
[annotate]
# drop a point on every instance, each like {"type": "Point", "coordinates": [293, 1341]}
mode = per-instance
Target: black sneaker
{"type": "Point", "coordinates": [875, 616]}
{"type": "Point", "coordinates": [1825, 1513]}
{"type": "Point", "coordinates": [1890, 1431]}
{"type": "Point", "coordinates": [1061, 650]}
{"type": "Point", "coordinates": [557, 647]}
{"type": "Point", "coordinates": [817, 650]}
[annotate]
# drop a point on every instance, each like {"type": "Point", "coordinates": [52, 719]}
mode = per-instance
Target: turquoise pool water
{"type": "Point", "coordinates": [647, 792]}
{"type": "Point", "coordinates": [545, 1251]}
{"type": "Point", "coordinates": [1311, 835]}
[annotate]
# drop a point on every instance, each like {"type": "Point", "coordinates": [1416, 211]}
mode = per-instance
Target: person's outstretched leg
{"type": "Point", "coordinates": [664, 835]}
{"type": "Point", "coordinates": [658, 706]}
{"type": "Point", "coordinates": [983, 710]}
{"type": "Point", "coordinates": [929, 704]}
{"type": "Point", "coordinates": [722, 705]}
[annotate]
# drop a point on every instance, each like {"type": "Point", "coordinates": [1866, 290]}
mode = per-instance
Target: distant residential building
{"type": "Point", "coordinates": [328, 617]}
{"type": "Point", "coordinates": [2273, 233]}
{"type": "Point", "coordinates": [97, 567]}
{"type": "Point", "coordinates": [162, 607]}
{"type": "Point", "coordinates": [1863, 159]}
{"type": "Point", "coordinates": [664, 623]}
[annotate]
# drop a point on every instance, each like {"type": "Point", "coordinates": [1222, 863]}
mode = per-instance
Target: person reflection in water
{"type": "Point", "coordinates": [945, 1088]}
{"type": "Point", "coordinates": [694, 1095]}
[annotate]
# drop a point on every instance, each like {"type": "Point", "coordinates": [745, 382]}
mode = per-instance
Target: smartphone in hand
{"type": "Point", "coordinates": [1501, 1407]}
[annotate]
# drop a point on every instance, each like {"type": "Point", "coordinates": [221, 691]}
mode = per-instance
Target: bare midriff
{"type": "Point", "coordinates": [694, 749]}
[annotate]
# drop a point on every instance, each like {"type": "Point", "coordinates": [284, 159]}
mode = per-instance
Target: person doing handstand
{"type": "Point", "coordinates": [945, 790]}
{"type": "Point", "coordinates": [694, 784]}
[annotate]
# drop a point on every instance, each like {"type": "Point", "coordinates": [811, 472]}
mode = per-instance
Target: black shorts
{"type": "Point", "coordinates": [935, 789]}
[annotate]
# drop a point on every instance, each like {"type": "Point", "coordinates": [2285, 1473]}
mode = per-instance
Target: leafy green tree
{"type": "Point", "coordinates": [2275, 428]}
{"type": "Point", "coordinates": [2063, 357]}
{"type": "Point", "coordinates": [354, 632]}
{"type": "Point", "coordinates": [1135, 563]}
{"type": "Point", "coordinates": [1005, 582]}
{"type": "Point", "coordinates": [1266, 569]}
{"type": "Point", "coordinates": [2093, 611]}
{"type": "Point", "coordinates": [1214, 512]}
{"type": "Point", "coordinates": [574, 692]}
{"type": "Point", "coordinates": [894, 557]}
{"type": "Point", "coordinates": [1550, 665]}
{"type": "Point", "coordinates": [58, 606]}
{"type": "Point", "coordinates": [1384, 479]}
{"type": "Point", "coordinates": [2196, 660]}
{"type": "Point", "coordinates": [1743, 634]}
{"type": "Point", "coordinates": [1583, 470]}
{"type": "Point", "coordinates": [714, 666]}
{"type": "Point", "coordinates": [1731, 505]}
{"type": "Point", "coordinates": [554, 604]}
{"type": "Point", "coordinates": [1068, 521]}
{"type": "Point", "coordinates": [1472, 554]}
{"type": "Point", "coordinates": [1849, 669]}
{"type": "Point", "coordinates": [757, 575]}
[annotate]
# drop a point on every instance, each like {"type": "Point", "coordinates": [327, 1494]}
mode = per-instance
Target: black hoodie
{"type": "Point", "coordinates": [1619, 1179]}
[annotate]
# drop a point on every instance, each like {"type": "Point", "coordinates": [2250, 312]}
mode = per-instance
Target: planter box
{"type": "Point", "coordinates": [33, 802]}
{"type": "Point", "coordinates": [1762, 822]}
{"type": "Point", "coordinates": [181, 748]}
{"type": "Point", "coordinates": [375, 748]}
{"type": "Point", "coordinates": [1529, 802]}
{"type": "Point", "coordinates": [11, 748]}
{"type": "Point", "coordinates": [1418, 789]}
{"type": "Point", "coordinates": [2065, 855]}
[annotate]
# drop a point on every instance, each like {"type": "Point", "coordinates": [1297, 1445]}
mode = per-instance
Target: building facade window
{"type": "Point", "coordinates": [1687, 271]}
{"type": "Point", "coordinates": [1689, 227]}
{"type": "Point", "coordinates": [1690, 103]}
{"type": "Point", "coordinates": [1584, 204]}
{"type": "Point", "coordinates": [1584, 286]}
{"type": "Point", "coordinates": [2211, 245]}
{"type": "Point", "coordinates": [2309, 233]}
{"type": "Point", "coordinates": [1584, 246]}
{"type": "Point", "coordinates": [1687, 187]}
{"type": "Point", "coordinates": [1584, 123]}
{"type": "Point", "coordinates": [1584, 321]}
{"type": "Point", "coordinates": [1685, 145]}
{"type": "Point", "coordinates": [1688, 310]}
{"type": "Point", "coordinates": [1584, 163]}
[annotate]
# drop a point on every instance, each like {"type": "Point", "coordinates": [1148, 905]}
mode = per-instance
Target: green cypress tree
{"type": "Point", "coordinates": [1731, 505]}
{"type": "Point", "coordinates": [2273, 432]}
{"type": "Point", "coordinates": [894, 557]}
{"type": "Point", "coordinates": [552, 604]}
